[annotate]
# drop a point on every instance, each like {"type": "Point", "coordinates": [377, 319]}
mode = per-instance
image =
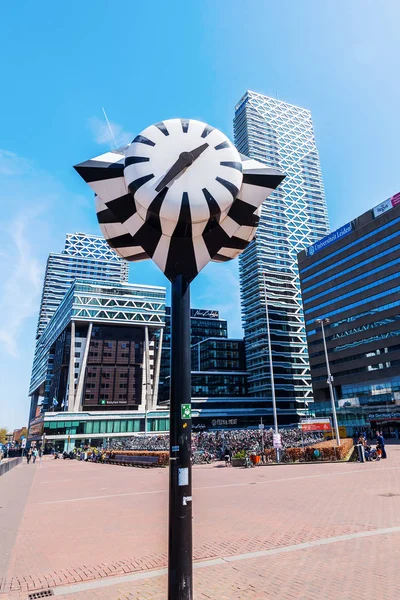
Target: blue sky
{"type": "Point", "coordinates": [144, 62]}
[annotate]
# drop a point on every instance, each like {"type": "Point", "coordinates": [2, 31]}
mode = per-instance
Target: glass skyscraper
{"type": "Point", "coordinates": [84, 257]}
{"type": "Point", "coordinates": [292, 218]}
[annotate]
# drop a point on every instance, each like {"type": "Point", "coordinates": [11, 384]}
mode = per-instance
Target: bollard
{"type": "Point", "coordinates": [361, 454]}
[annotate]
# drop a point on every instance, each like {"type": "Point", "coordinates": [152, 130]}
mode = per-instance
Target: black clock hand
{"type": "Point", "coordinates": [184, 160]}
{"type": "Point", "coordinates": [197, 151]}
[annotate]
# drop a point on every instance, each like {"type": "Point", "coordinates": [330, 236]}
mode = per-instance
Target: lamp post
{"type": "Point", "coordinates": [323, 322]}
{"type": "Point", "coordinates": [271, 369]}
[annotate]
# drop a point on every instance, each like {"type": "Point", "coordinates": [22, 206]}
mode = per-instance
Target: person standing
{"type": "Point", "coordinates": [381, 442]}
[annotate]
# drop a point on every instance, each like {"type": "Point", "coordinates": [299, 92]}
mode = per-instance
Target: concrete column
{"type": "Point", "coordinates": [79, 389]}
{"type": "Point", "coordinates": [71, 374]}
{"type": "Point", "coordinates": [147, 371]}
{"type": "Point", "coordinates": [156, 374]}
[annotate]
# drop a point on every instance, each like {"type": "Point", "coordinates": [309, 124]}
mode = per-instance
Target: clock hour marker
{"type": "Point", "coordinates": [207, 129]}
{"type": "Point", "coordinates": [222, 145]}
{"type": "Point", "coordinates": [233, 165]}
{"type": "Point", "coordinates": [183, 228]}
{"type": "Point", "coordinates": [135, 185]}
{"type": "Point", "coordinates": [185, 125]}
{"type": "Point", "coordinates": [162, 128]}
{"type": "Point", "coordinates": [228, 185]}
{"type": "Point", "coordinates": [212, 203]}
{"type": "Point", "coordinates": [141, 139]}
{"type": "Point", "coordinates": [133, 160]}
{"type": "Point", "coordinates": [123, 207]}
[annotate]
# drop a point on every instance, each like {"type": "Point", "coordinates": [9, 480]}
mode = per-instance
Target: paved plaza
{"type": "Point", "coordinates": [95, 531]}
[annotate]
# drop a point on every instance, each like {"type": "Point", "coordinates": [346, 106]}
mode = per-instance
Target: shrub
{"type": "Point", "coordinates": [323, 451]}
{"type": "Point", "coordinates": [270, 455]}
{"type": "Point", "coordinates": [240, 454]}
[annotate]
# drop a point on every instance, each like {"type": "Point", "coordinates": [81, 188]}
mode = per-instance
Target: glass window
{"type": "Point", "coordinates": [110, 426]}
{"type": "Point", "coordinates": [353, 293]}
{"type": "Point", "coordinates": [117, 426]}
{"type": "Point", "coordinates": [123, 427]}
{"type": "Point", "coordinates": [353, 279]}
{"type": "Point", "coordinates": [103, 426]}
{"type": "Point", "coordinates": [96, 427]}
{"type": "Point", "coordinates": [136, 425]}
{"type": "Point", "coordinates": [89, 427]}
{"type": "Point", "coordinates": [130, 426]}
{"type": "Point", "coordinates": [345, 271]}
{"type": "Point", "coordinates": [343, 260]}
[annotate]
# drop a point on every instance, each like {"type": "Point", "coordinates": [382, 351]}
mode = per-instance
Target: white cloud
{"type": "Point", "coordinates": [21, 290]}
{"type": "Point", "coordinates": [102, 134]}
{"type": "Point", "coordinates": [12, 164]}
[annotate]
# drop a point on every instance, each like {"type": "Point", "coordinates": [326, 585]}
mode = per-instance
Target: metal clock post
{"type": "Point", "coordinates": [180, 575]}
{"type": "Point", "coordinates": [182, 195]}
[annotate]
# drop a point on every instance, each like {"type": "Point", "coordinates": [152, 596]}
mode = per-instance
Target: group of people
{"type": "Point", "coordinates": [369, 449]}
{"type": "Point", "coordinates": [33, 453]}
{"type": "Point", "coordinates": [213, 443]}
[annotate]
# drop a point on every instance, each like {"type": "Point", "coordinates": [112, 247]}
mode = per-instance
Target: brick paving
{"type": "Point", "coordinates": [83, 523]}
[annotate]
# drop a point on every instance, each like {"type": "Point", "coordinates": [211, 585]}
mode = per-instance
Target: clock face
{"type": "Point", "coordinates": [182, 170]}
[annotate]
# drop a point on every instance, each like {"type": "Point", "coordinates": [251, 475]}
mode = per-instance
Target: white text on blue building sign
{"type": "Point", "coordinates": [330, 239]}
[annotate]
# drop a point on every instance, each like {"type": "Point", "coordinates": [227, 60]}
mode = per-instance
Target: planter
{"type": "Point", "coordinates": [238, 462]}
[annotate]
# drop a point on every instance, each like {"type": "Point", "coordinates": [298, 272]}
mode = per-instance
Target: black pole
{"type": "Point", "coordinates": [180, 560]}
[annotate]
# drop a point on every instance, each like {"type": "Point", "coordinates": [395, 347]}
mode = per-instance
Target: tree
{"type": "Point", "coordinates": [3, 434]}
{"type": "Point", "coordinates": [24, 432]}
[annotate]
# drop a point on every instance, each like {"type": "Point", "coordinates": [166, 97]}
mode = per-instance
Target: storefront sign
{"type": "Point", "coordinates": [392, 416]}
{"type": "Point", "coordinates": [386, 205]}
{"type": "Point", "coordinates": [277, 440]}
{"type": "Point", "coordinates": [204, 314]}
{"type": "Point", "coordinates": [315, 425]}
{"type": "Point", "coordinates": [216, 422]}
{"type": "Point", "coordinates": [330, 239]}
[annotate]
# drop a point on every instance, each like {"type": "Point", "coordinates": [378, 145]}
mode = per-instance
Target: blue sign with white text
{"type": "Point", "coordinates": [330, 239]}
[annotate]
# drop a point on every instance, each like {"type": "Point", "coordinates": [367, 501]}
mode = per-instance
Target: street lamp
{"type": "Point", "coordinates": [271, 369]}
{"type": "Point", "coordinates": [323, 322]}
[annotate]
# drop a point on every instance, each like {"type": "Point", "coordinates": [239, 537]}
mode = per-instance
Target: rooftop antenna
{"type": "Point", "coordinates": [109, 127]}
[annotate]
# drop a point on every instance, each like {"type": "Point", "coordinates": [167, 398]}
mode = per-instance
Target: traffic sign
{"type": "Point", "coordinates": [277, 440]}
{"type": "Point", "coordinates": [261, 426]}
{"type": "Point", "coordinates": [186, 411]}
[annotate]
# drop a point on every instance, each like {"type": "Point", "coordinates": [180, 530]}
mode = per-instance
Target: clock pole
{"type": "Point", "coordinates": [180, 560]}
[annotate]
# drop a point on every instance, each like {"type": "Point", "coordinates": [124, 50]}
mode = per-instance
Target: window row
{"type": "Point", "coordinates": [360, 303]}
{"type": "Point", "coordinates": [352, 244]}
{"type": "Point", "coordinates": [353, 293]}
{"type": "Point", "coordinates": [350, 269]}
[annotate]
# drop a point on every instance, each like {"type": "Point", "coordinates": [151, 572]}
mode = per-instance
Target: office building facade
{"type": "Point", "coordinates": [101, 350]}
{"type": "Point", "coordinates": [204, 323]}
{"type": "Point", "coordinates": [84, 257]}
{"type": "Point", "coordinates": [294, 216]}
{"type": "Point", "coordinates": [352, 278]}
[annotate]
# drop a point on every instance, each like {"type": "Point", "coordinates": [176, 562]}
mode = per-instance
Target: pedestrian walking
{"type": "Point", "coordinates": [34, 455]}
{"type": "Point", "coordinates": [29, 456]}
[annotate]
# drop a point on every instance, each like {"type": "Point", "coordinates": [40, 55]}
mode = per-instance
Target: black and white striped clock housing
{"type": "Point", "coordinates": [180, 194]}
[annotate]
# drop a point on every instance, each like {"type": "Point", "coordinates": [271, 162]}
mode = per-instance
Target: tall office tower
{"type": "Point", "coordinates": [84, 257]}
{"type": "Point", "coordinates": [292, 218]}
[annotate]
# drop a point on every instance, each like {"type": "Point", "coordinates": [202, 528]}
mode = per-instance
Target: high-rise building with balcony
{"type": "Point", "coordinates": [293, 217]}
{"type": "Point", "coordinates": [84, 257]}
